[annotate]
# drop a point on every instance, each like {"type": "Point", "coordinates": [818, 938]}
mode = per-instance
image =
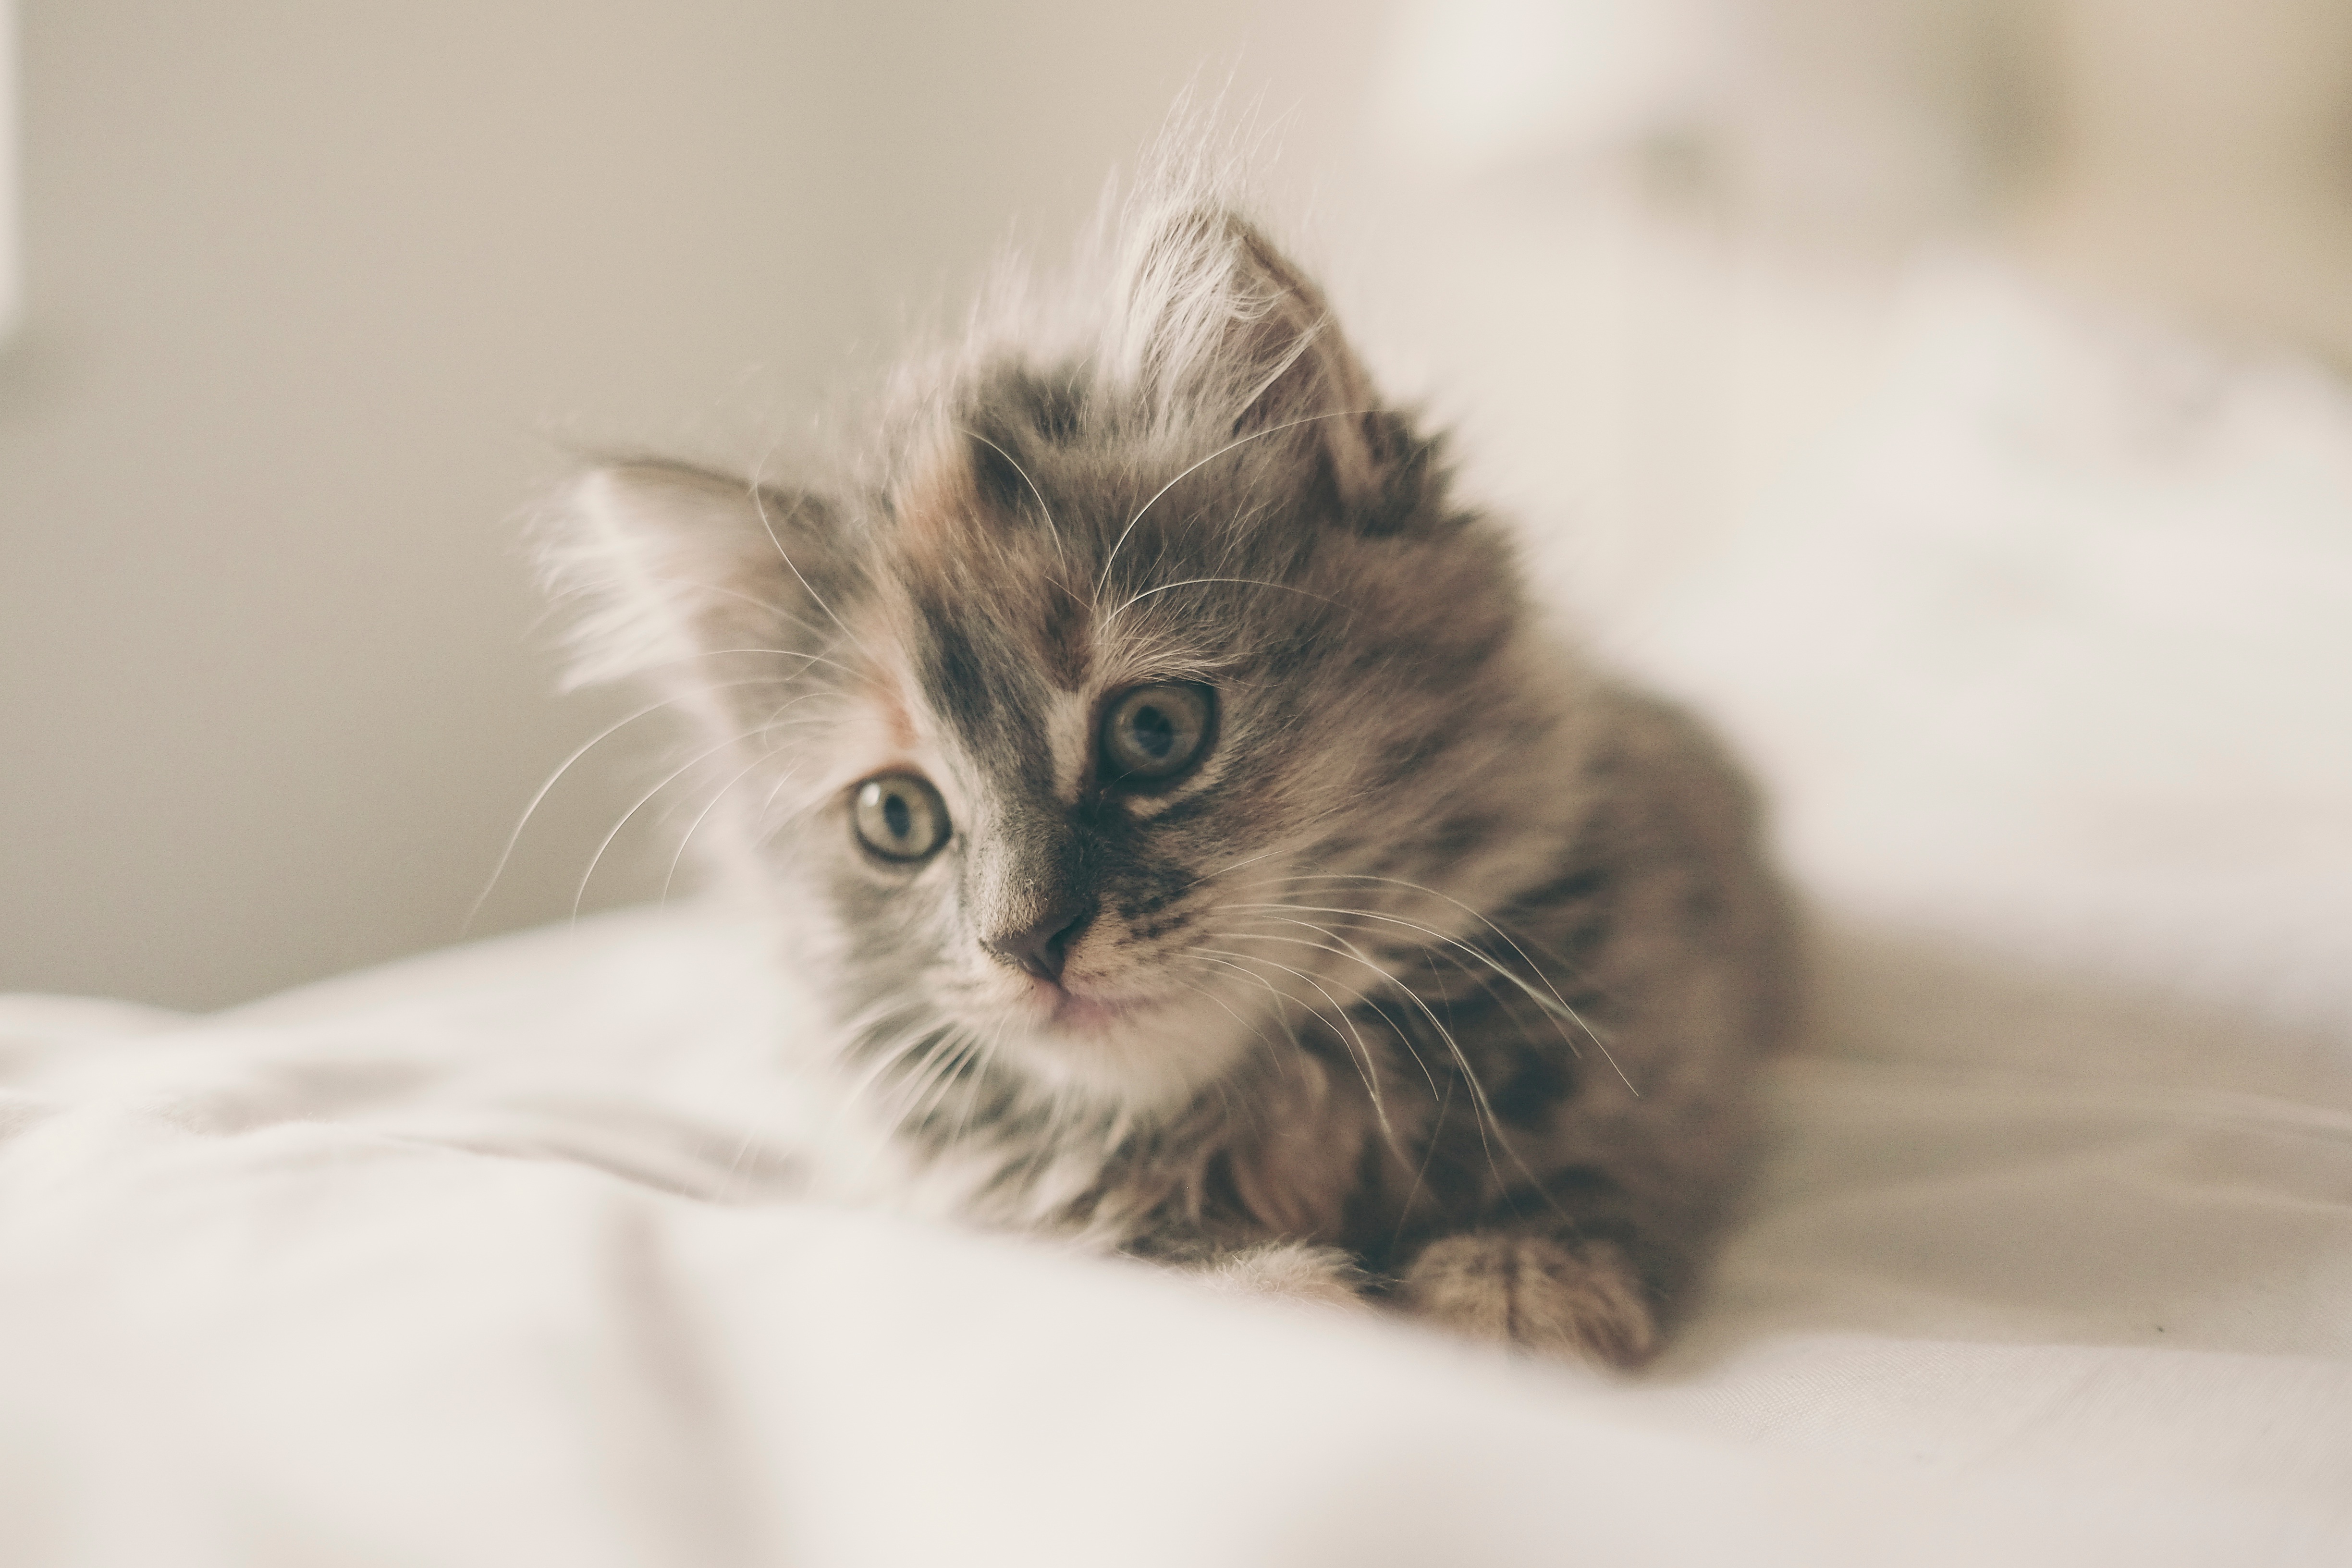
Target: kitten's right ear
{"type": "Point", "coordinates": [672, 563]}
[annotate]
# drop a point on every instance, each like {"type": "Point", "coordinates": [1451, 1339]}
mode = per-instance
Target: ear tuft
{"type": "Point", "coordinates": [1216, 322]}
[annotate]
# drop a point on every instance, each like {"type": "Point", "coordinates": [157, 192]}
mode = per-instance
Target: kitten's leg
{"type": "Point", "coordinates": [1580, 1299]}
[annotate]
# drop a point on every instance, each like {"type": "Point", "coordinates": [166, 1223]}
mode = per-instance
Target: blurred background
{"type": "Point", "coordinates": [314, 302]}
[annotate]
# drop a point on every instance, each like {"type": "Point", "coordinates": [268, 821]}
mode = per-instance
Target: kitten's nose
{"type": "Point", "coordinates": [1038, 948]}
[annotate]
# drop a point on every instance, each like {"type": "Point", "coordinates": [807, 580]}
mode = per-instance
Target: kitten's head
{"type": "Point", "coordinates": [1149, 701]}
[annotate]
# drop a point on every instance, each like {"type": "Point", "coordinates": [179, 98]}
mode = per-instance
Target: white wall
{"type": "Point", "coordinates": [318, 297]}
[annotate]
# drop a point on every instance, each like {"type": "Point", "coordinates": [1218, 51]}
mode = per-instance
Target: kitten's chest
{"type": "Point", "coordinates": [1318, 1150]}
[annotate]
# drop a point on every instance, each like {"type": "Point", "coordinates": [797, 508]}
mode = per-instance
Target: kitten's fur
{"type": "Point", "coordinates": [1437, 981]}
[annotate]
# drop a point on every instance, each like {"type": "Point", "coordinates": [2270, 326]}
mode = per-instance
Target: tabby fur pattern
{"type": "Point", "coordinates": [1435, 981]}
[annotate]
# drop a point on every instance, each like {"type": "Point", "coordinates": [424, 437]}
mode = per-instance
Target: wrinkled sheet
{"type": "Point", "coordinates": [495, 1256]}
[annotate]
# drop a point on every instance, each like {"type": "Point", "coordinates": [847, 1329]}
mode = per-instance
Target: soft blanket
{"type": "Point", "coordinates": [492, 1257]}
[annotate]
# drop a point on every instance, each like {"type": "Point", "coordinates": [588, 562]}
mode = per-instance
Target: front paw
{"type": "Point", "coordinates": [1285, 1271]}
{"type": "Point", "coordinates": [1581, 1301]}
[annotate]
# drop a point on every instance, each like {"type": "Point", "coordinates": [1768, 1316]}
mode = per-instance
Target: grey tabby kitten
{"type": "Point", "coordinates": [1207, 856]}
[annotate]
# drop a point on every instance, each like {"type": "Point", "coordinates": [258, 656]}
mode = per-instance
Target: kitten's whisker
{"type": "Point", "coordinates": [954, 1052]}
{"type": "Point", "coordinates": [1508, 941]}
{"type": "Point", "coordinates": [982, 1064]}
{"type": "Point", "coordinates": [1212, 995]}
{"type": "Point", "coordinates": [1487, 1117]}
{"type": "Point", "coordinates": [886, 1059]}
{"type": "Point", "coordinates": [1337, 1022]}
{"type": "Point", "coordinates": [1104, 579]}
{"type": "Point", "coordinates": [728, 1179]}
{"type": "Point", "coordinates": [1051, 527]}
{"type": "Point", "coordinates": [562, 768]}
{"type": "Point", "coordinates": [939, 1049]}
{"type": "Point", "coordinates": [766, 606]}
{"type": "Point", "coordinates": [776, 721]}
{"type": "Point", "coordinates": [1255, 934]}
{"type": "Point", "coordinates": [1554, 1004]}
{"type": "Point", "coordinates": [884, 1029]}
{"type": "Point", "coordinates": [979, 1073]}
{"type": "Point", "coordinates": [769, 800]}
{"type": "Point", "coordinates": [1393, 984]}
{"type": "Point", "coordinates": [1420, 1171]}
{"type": "Point", "coordinates": [680, 803]}
{"type": "Point", "coordinates": [678, 857]}
{"type": "Point", "coordinates": [692, 762]}
{"type": "Point", "coordinates": [1193, 582]}
{"type": "Point", "coordinates": [1245, 860]}
{"type": "Point", "coordinates": [958, 1051]}
{"type": "Point", "coordinates": [1257, 1031]}
{"type": "Point", "coordinates": [1367, 1067]}
{"type": "Point", "coordinates": [760, 505]}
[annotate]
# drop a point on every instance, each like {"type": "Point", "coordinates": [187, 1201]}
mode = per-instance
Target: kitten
{"type": "Point", "coordinates": [1207, 854]}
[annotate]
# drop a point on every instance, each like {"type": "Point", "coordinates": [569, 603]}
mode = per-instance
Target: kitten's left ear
{"type": "Point", "coordinates": [1309, 379]}
{"type": "Point", "coordinates": [675, 564]}
{"type": "Point", "coordinates": [1228, 320]}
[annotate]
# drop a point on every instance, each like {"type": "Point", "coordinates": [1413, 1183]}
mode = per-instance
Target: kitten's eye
{"type": "Point", "coordinates": [899, 816]}
{"type": "Point", "coordinates": [1154, 733]}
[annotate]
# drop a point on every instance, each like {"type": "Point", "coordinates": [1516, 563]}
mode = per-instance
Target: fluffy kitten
{"type": "Point", "coordinates": [1208, 855]}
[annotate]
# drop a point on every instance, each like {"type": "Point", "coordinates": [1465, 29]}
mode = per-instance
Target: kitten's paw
{"type": "Point", "coordinates": [1582, 1302]}
{"type": "Point", "coordinates": [1285, 1271]}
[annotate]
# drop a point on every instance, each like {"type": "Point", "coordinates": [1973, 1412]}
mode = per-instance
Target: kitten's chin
{"type": "Point", "coordinates": [1140, 1051]}
{"type": "Point", "coordinates": [1084, 1014]}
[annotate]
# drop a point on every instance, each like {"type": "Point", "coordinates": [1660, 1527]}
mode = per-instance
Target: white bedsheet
{"type": "Point", "coordinates": [495, 1256]}
{"type": "Point", "coordinates": [490, 1256]}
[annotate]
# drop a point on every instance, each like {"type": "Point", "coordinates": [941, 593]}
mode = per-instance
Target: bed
{"type": "Point", "coordinates": [513, 1253]}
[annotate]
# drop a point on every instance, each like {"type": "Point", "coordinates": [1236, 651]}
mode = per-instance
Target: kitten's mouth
{"type": "Point", "coordinates": [1082, 1012]}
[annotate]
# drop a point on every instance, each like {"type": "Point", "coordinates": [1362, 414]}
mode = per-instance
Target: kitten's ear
{"type": "Point", "coordinates": [1220, 320]}
{"type": "Point", "coordinates": [673, 563]}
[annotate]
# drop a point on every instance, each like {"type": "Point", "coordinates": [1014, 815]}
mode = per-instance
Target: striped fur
{"type": "Point", "coordinates": [1436, 983]}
